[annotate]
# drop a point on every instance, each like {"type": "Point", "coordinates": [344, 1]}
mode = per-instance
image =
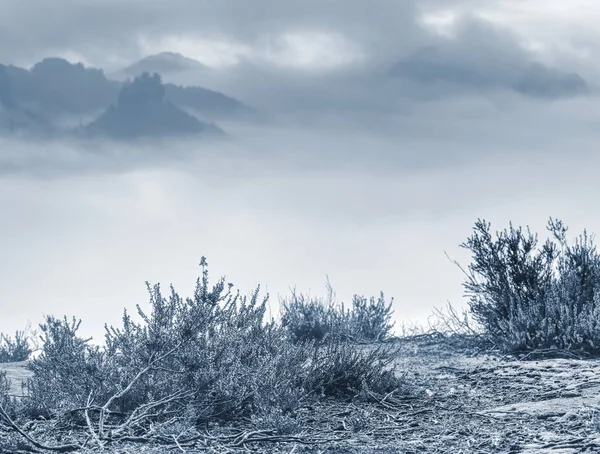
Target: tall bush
{"type": "Point", "coordinates": [526, 296]}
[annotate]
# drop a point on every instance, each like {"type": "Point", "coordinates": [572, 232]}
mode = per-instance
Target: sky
{"type": "Point", "coordinates": [362, 178]}
{"type": "Point", "coordinates": [306, 34]}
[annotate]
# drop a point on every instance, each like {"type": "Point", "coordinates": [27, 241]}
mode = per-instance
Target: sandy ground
{"type": "Point", "coordinates": [461, 401]}
{"type": "Point", "coordinates": [17, 374]}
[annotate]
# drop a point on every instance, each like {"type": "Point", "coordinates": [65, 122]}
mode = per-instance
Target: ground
{"type": "Point", "coordinates": [458, 399]}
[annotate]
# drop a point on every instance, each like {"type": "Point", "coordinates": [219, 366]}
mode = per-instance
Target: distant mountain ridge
{"type": "Point", "coordinates": [142, 110]}
{"type": "Point", "coordinates": [55, 86]}
{"type": "Point", "coordinates": [55, 91]}
{"type": "Point", "coordinates": [207, 102]}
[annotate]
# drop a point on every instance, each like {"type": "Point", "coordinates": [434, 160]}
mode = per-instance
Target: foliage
{"type": "Point", "coordinates": [528, 297]}
{"type": "Point", "coordinates": [65, 372]}
{"type": "Point", "coordinates": [188, 362]}
{"type": "Point", "coordinates": [339, 369]}
{"type": "Point", "coordinates": [370, 319]}
{"type": "Point", "coordinates": [14, 349]}
{"type": "Point", "coordinates": [307, 318]}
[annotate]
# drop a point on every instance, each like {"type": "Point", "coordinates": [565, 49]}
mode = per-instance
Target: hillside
{"type": "Point", "coordinates": [207, 103]}
{"type": "Point", "coordinates": [55, 90]}
{"type": "Point", "coordinates": [142, 110]}
{"type": "Point", "coordinates": [56, 87]}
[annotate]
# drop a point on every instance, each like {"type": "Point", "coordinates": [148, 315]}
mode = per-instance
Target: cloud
{"type": "Point", "coordinates": [305, 54]}
{"type": "Point", "coordinates": [104, 26]}
{"type": "Point", "coordinates": [88, 223]}
{"type": "Point", "coordinates": [476, 54]}
{"type": "Point", "coordinates": [370, 183]}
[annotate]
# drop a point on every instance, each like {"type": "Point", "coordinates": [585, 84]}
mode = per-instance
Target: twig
{"type": "Point", "coordinates": [177, 443]}
{"type": "Point", "coordinates": [143, 412]}
{"type": "Point", "coordinates": [105, 408]}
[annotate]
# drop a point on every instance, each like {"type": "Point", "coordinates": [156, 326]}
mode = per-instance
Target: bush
{"type": "Point", "coordinates": [66, 371]}
{"type": "Point", "coordinates": [341, 370]}
{"type": "Point", "coordinates": [14, 350]}
{"type": "Point", "coordinates": [189, 362]}
{"type": "Point", "coordinates": [370, 319]}
{"type": "Point", "coordinates": [527, 297]}
{"type": "Point", "coordinates": [307, 318]}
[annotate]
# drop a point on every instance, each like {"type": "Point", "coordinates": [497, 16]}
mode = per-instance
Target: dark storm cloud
{"type": "Point", "coordinates": [95, 25]}
{"type": "Point", "coordinates": [389, 34]}
{"type": "Point", "coordinates": [480, 55]}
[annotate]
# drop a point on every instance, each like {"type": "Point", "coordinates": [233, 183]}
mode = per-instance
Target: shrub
{"type": "Point", "coordinates": [189, 362]}
{"type": "Point", "coordinates": [14, 350]}
{"type": "Point", "coordinates": [307, 318]}
{"type": "Point", "coordinates": [370, 319]}
{"type": "Point", "coordinates": [527, 297]}
{"type": "Point", "coordinates": [67, 370]}
{"type": "Point", "coordinates": [339, 369]}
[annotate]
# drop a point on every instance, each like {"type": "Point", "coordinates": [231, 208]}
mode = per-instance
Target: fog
{"type": "Point", "coordinates": [372, 209]}
{"type": "Point", "coordinates": [352, 172]}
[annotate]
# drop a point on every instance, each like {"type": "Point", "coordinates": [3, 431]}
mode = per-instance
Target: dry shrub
{"type": "Point", "coordinates": [528, 297]}
{"type": "Point", "coordinates": [306, 318]}
{"type": "Point", "coordinates": [14, 349]}
{"type": "Point", "coordinates": [340, 369]}
{"type": "Point", "coordinates": [189, 362]}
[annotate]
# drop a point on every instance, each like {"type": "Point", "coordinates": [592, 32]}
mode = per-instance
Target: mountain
{"type": "Point", "coordinates": [23, 121]}
{"type": "Point", "coordinates": [57, 92]}
{"type": "Point", "coordinates": [56, 87]}
{"type": "Point", "coordinates": [142, 110]}
{"type": "Point", "coordinates": [13, 117]}
{"type": "Point", "coordinates": [163, 63]}
{"type": "Point", "coordinates": [207, 103]}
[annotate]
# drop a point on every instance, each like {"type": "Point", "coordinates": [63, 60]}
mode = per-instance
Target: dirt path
{"type": "Point", "coordinates": [490, 403]}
